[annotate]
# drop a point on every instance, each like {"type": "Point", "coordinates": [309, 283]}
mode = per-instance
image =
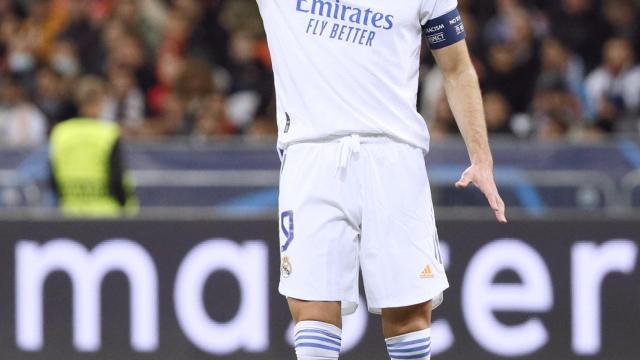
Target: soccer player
{"type": "Point", "coordinates": [354, 193]}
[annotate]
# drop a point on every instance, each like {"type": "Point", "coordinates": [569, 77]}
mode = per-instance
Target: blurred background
{"type": "Point", "coordinates": [188, 86]}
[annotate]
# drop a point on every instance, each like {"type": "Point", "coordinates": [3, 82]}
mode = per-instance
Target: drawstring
{"type": "Point", "coordinates": [348, 146]}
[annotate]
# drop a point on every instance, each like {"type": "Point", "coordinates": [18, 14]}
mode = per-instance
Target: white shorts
{"type": "Point", "coordinates": [358, 203]}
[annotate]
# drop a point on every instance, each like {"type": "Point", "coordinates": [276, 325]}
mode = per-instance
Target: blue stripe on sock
{"type": "Point", "coordinates": [408, 357]}
{"type": "Point", "coordinates": [318, 331]}
{"type": "Point", "coordinates": [307, 337]}
{"type": "Point", "coordinates": [400, 344]}
{"type": "Point", "coordinates": [420, 348]}
{"type": "Point", "coordinates": [319, 346]}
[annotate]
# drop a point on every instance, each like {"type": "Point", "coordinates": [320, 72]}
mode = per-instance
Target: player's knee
{"type": "Point", "coordinates": [407, 331]}
{"type": "Point", "coordinates": [404, 320]}
{"type": "Point", "coordinates": [326, 312]}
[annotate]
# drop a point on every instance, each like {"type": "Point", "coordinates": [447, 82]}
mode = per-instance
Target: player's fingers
{"type": "Point", "coordinates": [464, 181]}
{"type": "Point", "coordinates": [495, 201]}
{"type": "Point", "coordinates": [492, 197]}
{"type": "Point", "coordinates": [489, 191]}
{"type": "Point", "coordinates": [500, 210]}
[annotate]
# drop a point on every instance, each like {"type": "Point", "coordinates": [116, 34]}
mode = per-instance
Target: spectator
{"type": "Point", "coordinates": [431, 92]}
{"type": "Point", "coordinates": [169, 121]}
{"type": "Point", "coordinates": [83, 35]}
{"type": "Point", "coordinates": [127, 13]}
{"type": "Point", "coordinates": [504, 75]}
{"type": "Point", "coordinates": [21, 123]}
{"type": "Point", "coordinates": [251, 82]}
{"type": "Point", "coordinates": [194, 86]}
{"type": "Point", "coordinates": [21, 58]}
{"type": "Point", "coordinates": [51, 97]}
{"type": "Point", "coordinates": [558, 60]}
{"type": "Point", "coordinates": [127, 51]}
{"type": "Point", "coordinates": [443, 124]}
{"type": "Point", "coordinates": [44, 21]}
{"type": "Point", "coordinates": [154, 55]}
{"type": "Point", "coordinates": [64, 59]}
{"type": "Point", "coordinates": [554, 127]}
{"type": "Point", "coordinates": [9, 25]}
{"type": "Point", "coordinates": [125, 102]}
{"type": "Point", "coordinates": [175, 34]}
{"type": "Point", "coordinates": [614, 87]}
{"type": "Point", "coordinates": [87, 170]}
{"type": "Point", "coordinates": [238, 15]}
{"type": "Point", "coordinates": [208, 36]}
{"type": "Point", "coordinates": [555, 110]}
{"type": "Point", "coordinates": [168, 70]}
{"type": "Point", "coordinates": [212, 119]}
{"type": "Point", "coordinates": [622, 20]}
{"type": "Point", "coordinates": [262, 129]}
{"type": "Point", "coordinates": [497, 113]}
{"type": "Point", "coordinates": [578, 25]}
{"type": "Point", "coordinates": [513, 60]}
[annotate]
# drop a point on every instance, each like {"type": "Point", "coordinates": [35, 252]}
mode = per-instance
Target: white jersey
{"type": "Point", "coordinates": [348, 66]}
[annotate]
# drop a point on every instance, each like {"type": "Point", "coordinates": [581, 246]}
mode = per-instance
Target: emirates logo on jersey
{"type": "Point", "coordinates": [336, 21]}
{"type": "Point", "coordinates": [338, 11]}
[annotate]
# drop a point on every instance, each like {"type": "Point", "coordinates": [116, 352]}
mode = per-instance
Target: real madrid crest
{"type": "Point", "coordinates": [285, 267]}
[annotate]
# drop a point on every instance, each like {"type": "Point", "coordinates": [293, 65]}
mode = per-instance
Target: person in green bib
{"type": "Point", "coordinates": [87, 170]}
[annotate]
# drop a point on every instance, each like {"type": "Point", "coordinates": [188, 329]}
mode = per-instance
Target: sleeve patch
{"type": "Point", "coordinates": [445, 30]}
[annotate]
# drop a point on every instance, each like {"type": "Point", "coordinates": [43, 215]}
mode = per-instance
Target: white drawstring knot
{"type": "Point", "coordinates": [347, 147]}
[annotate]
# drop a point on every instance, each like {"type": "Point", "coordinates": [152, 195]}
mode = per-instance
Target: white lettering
{"type": "Point", "coordinates": [481, 297]}
{"type": "Point", "coordinates": [249, 329]}
{"type": "Point", "coordinates": [34, 263]}
{"type": "Point", "coordinates": [437, 38]}
{"type": "Point", "coordinates": [590, 264]}
{"type": "Point", "coordinates": [435, 28]}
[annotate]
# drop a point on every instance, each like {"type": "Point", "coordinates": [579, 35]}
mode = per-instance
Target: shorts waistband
{"type": "Point", "coordinates": [362, 139]}
{"type": "Point", "coordinates": [348, 145]}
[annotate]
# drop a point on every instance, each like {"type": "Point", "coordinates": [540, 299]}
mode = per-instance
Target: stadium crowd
{"type": "Point", "coordinates": [550, 69]}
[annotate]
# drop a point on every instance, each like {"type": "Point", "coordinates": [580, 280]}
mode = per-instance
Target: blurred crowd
{"type": "Point", "coordinates": [551, 69]}
{"type": "Point", "coordinates": [194, 68]}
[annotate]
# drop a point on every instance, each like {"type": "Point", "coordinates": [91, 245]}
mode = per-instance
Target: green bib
{"type": "Point", "coordinates": [80, 154]}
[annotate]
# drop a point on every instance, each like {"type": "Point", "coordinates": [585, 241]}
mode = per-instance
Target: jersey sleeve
{"type": "Point", "coordinates": [442, 24]}
{"type": "Point", "coordinates": [432, 9]}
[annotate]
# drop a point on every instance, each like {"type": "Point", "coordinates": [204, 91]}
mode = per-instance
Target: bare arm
{"type": "Point", "coordinates": [464, 96]}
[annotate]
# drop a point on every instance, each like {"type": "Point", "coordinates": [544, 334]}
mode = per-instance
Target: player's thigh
{"type": "Point", "coordinates": [406, 319]}
{"type": "Point", "coordinates": [399, 254]}
{"type": "Point", "coordinates": [325, 311]}
{"type": "Point", "coordinates": [318, 238]}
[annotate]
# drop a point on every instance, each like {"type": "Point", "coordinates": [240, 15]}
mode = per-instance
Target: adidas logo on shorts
{"type": "Point", "coordinates": [427, 273]}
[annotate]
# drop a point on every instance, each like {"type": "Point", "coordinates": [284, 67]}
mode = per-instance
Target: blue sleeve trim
{"type": "Point", "coordinates": [445, 30]}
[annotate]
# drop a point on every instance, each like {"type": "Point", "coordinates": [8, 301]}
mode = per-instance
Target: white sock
{"type": "Point", "coordinates": [317, 340]}
{"type": "Point", "coordinates": [412, 346]}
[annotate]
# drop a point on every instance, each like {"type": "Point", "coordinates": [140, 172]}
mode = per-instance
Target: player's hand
{"type": "Point", "coordinates": [482, 177]}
